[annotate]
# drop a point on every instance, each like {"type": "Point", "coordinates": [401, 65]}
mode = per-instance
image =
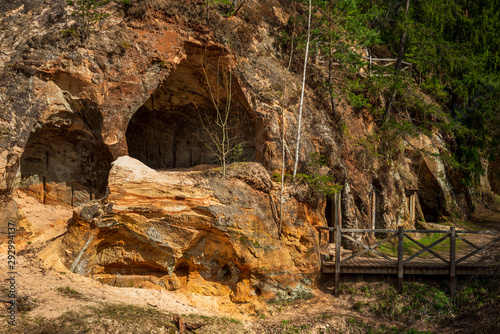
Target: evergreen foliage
{"type": "Point", "coordinates": [86, 14]}
{"type": "Point", "coordinates": [453, 48]}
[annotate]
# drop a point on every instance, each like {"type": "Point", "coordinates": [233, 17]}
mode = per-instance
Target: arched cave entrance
{"type": "Point", "coordinates": [178, 126]}
{"type": "Point", "coordinates": [430, 194]}
{"type": "Point", "coordinates": [333, 212]}
{"type": "Point", "coordinates": [59, 165]}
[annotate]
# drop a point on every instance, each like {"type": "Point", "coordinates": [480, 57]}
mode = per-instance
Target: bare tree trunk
{"type": "Point", "coordinates": [397, 66]}
{"type": "Point", "coordinates": [303, 89]}
{"type": "Point", "coordinates": [330, 62]}
{"type": "Point", "coordinates": [220, 141]}
{"type": "Point", "coordinates": [283, 153]}
{"type": "Point", "coordinates": [283, 150]}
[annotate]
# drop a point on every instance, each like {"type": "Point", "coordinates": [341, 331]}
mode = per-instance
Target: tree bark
{"type": "Point", "coordinates": [303, 89]}
{"type": "Point", "coordinates": [397, 66]}
{"type": "Point", "coordinates": [402, 39]}
{"type": "Point", "coordinates": [283, 150]}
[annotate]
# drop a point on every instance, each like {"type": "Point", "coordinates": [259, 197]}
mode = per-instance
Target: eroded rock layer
{"type": "Point", "coordinates": [197, 230]}
{"type": "Point", "coordinates": [147, 83]}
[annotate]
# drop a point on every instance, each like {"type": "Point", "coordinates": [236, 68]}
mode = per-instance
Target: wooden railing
{"type": "Point", "coordinates": [400, 234]}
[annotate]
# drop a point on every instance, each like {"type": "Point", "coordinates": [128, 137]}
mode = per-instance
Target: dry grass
{"type": "Point", "coordinates": [429, 304]}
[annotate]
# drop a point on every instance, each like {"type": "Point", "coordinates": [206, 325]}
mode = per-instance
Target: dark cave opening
{"type": "Point", "coordinates": [329, 215]}
{"type": "Point", "coordinates": [430, 195]}
{"type": "Point", "coordinates": [179, 127]}
{"type": "Point", "coordinates": [59, 165]}
{"type": "Point", "coordinates": [182, 269]}
{"type": "Point", "coordinates": [333, 209]}
{"type": "Point", "coordinates": [167, 140]}
{"type": "Point", "coordinates": [226, 272]}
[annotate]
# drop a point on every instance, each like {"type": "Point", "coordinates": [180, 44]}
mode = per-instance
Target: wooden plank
{"type": "Point", "coordinates": [478, 250]}
{"type": "Point", "coordinates": [408, 270]}
{"type": "Point", "coordinates": [452, 261]}
{"type": "Point", "coordinates": [384, 240]}
{"type": "Point", "coordinates": [467, 242]}
{"type": "Point", "coordinates": [366, 247]}
{"type": "Point", "coordinates": [338, 239]}
{"type": "Point", "coordinates": [401, 235]}
{"type": "Point", "coordinates": [428, 231]}
{"type": "Point", "coordinates": [355, 255]}
{"type": "Point", "coordinates": [427, 248]}
{"type": "Point", "coordinates": [419, 266]}
{"type": "Point", "coordinates": [476, 232]}
{"type": "Point", "coordinates": [356, 230]}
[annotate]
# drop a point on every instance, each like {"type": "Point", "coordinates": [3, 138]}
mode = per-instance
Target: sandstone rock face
{"type": "Point", "coordinates": [11, 217]}
{"type": "Point", "coordinates": [147, 84]}
{"type": "Point", "coordinates": [195, 230]}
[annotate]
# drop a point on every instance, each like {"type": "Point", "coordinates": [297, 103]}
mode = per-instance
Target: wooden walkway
{"type": "Point", "coordinates": [365, 265]}
{"type": "Point", "coordinates": [483, 259]}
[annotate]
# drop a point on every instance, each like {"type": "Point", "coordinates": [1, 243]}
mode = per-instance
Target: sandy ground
{"type": "Point", "coordinates": [40, 285]}
{"type": "Point", "coordinates": [38, 274]}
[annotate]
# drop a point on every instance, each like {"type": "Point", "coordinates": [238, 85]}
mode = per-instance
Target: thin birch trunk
{"type": "Point", "coordinates": [303, 89]}
{"type": "Point", "coordinates": [283, 150]}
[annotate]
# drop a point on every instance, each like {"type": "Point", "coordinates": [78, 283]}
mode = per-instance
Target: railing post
{"type": "Point", "coordinates": [401, 236]}
{"type": "Point", "coordinates": [44, 187]}
{"type": "Point", "coordinates": [452, 261]}
{"type": "Point", "coordinates": [338, 238]}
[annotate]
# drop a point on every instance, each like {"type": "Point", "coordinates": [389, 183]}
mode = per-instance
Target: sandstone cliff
{"type": "Point", "coordinates": [140, 86]}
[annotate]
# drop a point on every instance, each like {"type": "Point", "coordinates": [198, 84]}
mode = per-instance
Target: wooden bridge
{"type": "Point", "coordinates": [479, 260]}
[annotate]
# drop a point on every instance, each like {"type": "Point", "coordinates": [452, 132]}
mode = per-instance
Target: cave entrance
{"type": "Point", "coordinates": [60, 165]}
{"type": "Point", "coordinates": [411, 194]}
{"type": "Point", "coordinates": [430, 194]}
{"type": "Point", "coordinates": [179, 125]}
{"type": "Point", "coordinates": [333, 213]}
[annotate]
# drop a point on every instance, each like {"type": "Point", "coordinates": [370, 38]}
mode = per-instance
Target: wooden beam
{"type": "Point", "coordinates": [467, 242]}
{"type": "Point", "coordinates": [371, 247]}
{"type": "Point", "coordinates": [367, 248]}
{"type": "Point", "coordinates": [338, 239]}
{"type": "Point", "coordinates": [477, 250]}
{"type": "Point", "coordinates": [477, 232]}
{"type": "Point", "coordinates": [323, 228]}
{"type": "Point", "coordinates": [44, 196]}
{"type": "Point", "coordinates": [427, 248]}
{"type": "Point", "coordinates": [428, 231]}
{"type": "Point", "coordinates": [337, 208]}
{"type": "Point", "coordinates": [452, 262]}
{"type": "Point", "coordinates": [401, 237]}
{"type": "Point", "coordinates": [373, 203]}
{"type": "Point", "coordinates": [357, 230]}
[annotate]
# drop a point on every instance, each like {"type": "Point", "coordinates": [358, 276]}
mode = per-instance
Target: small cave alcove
{"type": "Point", "coordinates": [430, 195]}
{"type": "Point", "coordinates": [59, 165]}
{"type": "Point", "coordinates": [333, 212]}
{"type": "Point", "coordinates": [179, 126]}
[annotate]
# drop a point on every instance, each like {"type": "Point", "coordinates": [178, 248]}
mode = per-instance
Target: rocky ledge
{"type": "Point", "coordinates": [195, 230]}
